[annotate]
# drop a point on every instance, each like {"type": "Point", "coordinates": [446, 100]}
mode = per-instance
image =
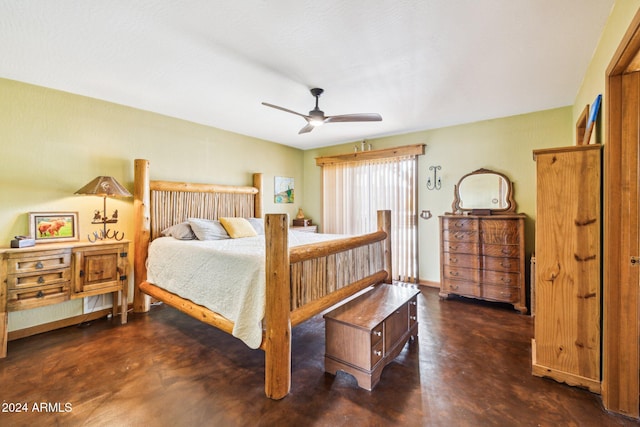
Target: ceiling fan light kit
{"type": "Point", "coordinates": [316, 116]}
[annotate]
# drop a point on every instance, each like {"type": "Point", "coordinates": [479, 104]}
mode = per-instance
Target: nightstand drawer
{"type": "Point", "coordinates": [18, 263]}
{"type": "Point", "coordinates": [43, 278]}
{"type": "Point", "coordinates": [40, 296]}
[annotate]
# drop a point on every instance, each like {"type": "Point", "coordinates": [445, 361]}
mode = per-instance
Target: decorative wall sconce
{"type": "Point", "coordinates": [105, 186]}
{"type": "Point", "coordinates": [436, 184]}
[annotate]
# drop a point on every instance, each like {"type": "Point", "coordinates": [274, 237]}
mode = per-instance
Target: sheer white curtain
{"type": "Point", "coordinates": [353, 192]}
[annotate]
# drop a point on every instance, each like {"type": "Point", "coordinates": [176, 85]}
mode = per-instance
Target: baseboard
{"type": "Point", "coordinates": [429, 283]}
{"type": "Point", "coordinates": [62, 323]}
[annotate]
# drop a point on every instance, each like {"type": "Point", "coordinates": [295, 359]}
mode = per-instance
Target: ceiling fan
{"type": "Point", "coordinates": [316, 116]}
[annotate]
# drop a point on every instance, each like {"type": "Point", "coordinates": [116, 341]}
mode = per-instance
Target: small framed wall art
{"type": "Point", "coordinates": [53, 226]}
{"type": "Point", "coordinates": [283, 190]}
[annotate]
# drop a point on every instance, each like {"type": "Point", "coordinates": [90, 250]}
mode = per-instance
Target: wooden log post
{"type": "Point", "coordinates": [277, 309]}
{"type": "Point", "coordinates": [4, 316]}
{"type": "Point", "coordinates": [384, 224]}
{"type": "Point", "coordinates": [142, 221]}
{"type": "Point", "coordinates": [258, 182]}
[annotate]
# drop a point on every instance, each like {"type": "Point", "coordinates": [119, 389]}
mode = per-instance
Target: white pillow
{"type": "Point", "coordinates": [208, 229]}
{"type": "Point", "coordinates": [257, 224]}
{"type": "Point", "coordinates": [180, 231]}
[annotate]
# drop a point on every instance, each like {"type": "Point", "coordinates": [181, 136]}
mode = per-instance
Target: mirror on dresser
{"type": "Point", "coordinates": [482, 247]}
{"type": "Point", "coordinates": [483, 191]}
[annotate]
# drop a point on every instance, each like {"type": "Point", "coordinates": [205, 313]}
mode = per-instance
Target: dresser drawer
{"type": "Point", "coordinates": [500, 293]}
{"type": "Point", "coordinates": [511, 251]}
{"type": "Point", "coordinates": [460, 260]}
{"type": "Point", "coordinates": [502, 264]}
{"type": "Point", "coordinates": [499, 232]}
{"type": "Point", "coordinates": [460, 248]}
{"type": "Point", "coordinates": [461, 288]}
{"type": "Point", "coordinates": [40, 278]}
{"type": "Point", "coordinates": [458, 236]}
{"type": "Point", "coordinates": [457, 273]}
{"type": "Point", "coordinates": [500, 278]}
{"type": "Point", "coordinates": [24, 299]}
{"type": "Point", "coordinates": [455, 224]}
{"type": "Point", "coordinates": [19, 263]}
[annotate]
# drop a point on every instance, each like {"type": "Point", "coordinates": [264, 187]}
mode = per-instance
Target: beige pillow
{"type": "Point", "coordinates": [238, 227]}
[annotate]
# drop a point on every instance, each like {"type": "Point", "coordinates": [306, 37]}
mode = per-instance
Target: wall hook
{"type": "Point", "coordinates": [436, 184]}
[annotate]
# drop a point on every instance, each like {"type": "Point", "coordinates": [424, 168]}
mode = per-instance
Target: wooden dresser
{"type": "Point", "coordinates": [55, 272]}
{"type": "Point", "coordinates": [566, 344]}
{"type": "Point", "coordinates": [483, 257]}
{"type": "Point", "coordinates": [368, 332]}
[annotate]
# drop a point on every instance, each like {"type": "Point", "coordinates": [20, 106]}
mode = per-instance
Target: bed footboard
{"type": "Point", "coordinates": [305, 280]}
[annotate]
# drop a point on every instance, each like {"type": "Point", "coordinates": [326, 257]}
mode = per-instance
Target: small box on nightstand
{"type": "Point", "coordinates": [301, 222]}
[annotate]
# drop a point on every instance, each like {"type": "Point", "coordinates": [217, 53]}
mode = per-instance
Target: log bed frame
{"type": "Point", "coordinates": [301, 282]}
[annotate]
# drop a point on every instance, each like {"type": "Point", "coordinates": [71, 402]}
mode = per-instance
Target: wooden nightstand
{"type": "Point", "coordinates": [306, 229]}
{"type": "Point", "coordinates": [52, 273]}
{"type": "Point", "coordinates": [368, 332]}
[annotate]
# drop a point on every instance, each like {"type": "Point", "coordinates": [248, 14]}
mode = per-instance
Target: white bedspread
{"type": "Point", "coordinates": [226, 276]}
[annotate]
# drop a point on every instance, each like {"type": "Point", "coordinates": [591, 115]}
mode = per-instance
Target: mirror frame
{"type": "Point", "coordinates": [511, 202]}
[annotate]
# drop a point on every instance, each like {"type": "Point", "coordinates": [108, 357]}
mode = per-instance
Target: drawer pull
{"type": "Point", "coordinates": [459, 224]}
{"type": "Point", "coordinates": [453, 260]}
{"type": "Point", "coordinates": [377, 353]}
{"type": "Point", "coordinates": [453, 248]}
{"type": "Point", "coordinates": [505, 251]}
{"type": "Point", "coordinates": [506, 265]}
{"type": "Point", "coordinates": [40, 279]}
{"type": "Point", "coordinates": [506, 280]}
{"type": "Point", "coordinates": [453, 273]}
{"type": "Point", "coordinates": [40, 294]}
{"type": "Point", "coordinates": [39, 265]}
{"type": "Point", "coordinates": [414, 303]}
{"type": "Point", "coordinates": [377, 333]}
{"type": "Point", "coordinates": [413, 317]}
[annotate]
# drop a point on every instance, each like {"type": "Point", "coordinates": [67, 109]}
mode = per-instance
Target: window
{"type": "Point", "coordinates": [353, 191]}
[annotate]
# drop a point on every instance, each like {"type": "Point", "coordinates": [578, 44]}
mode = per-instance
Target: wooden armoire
{"type": "Point", "coordinates": [567, 334]}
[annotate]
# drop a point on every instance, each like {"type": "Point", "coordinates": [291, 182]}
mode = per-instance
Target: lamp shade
{"type": "Point", "coordinates": [104, 186]}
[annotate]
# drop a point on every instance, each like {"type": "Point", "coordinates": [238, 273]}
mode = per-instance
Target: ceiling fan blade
{"type": "Point", "coordinates": [308, 128]}
{"type": "Point", "coordinates": [362, 117]}
{"type": "Point", "coordinates": [285, 110]}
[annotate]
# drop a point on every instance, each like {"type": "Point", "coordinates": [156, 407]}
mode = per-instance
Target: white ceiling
{"type": "Point", "coordinates": [420, 64]}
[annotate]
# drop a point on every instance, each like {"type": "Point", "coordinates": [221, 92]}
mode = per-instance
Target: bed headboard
{"type": "Point", "coordinates": [172, 202]}
{"type": "Point", "coordinates": [160, 204]}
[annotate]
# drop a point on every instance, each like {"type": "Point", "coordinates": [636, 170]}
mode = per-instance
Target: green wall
{"type": "Point", "coordinates": [54, 142]}
{"type": "Point", "coordinates": [595, 75]}
{"type": "Point", "coordinates": [504, 145]}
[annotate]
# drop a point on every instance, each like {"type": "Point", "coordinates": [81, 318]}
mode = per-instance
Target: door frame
{"type": "Point", "coordinates": [620, 379]}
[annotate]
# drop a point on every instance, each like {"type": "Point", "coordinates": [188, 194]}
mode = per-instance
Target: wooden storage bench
{"type": "Point", "coordinates": [368, 332]}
